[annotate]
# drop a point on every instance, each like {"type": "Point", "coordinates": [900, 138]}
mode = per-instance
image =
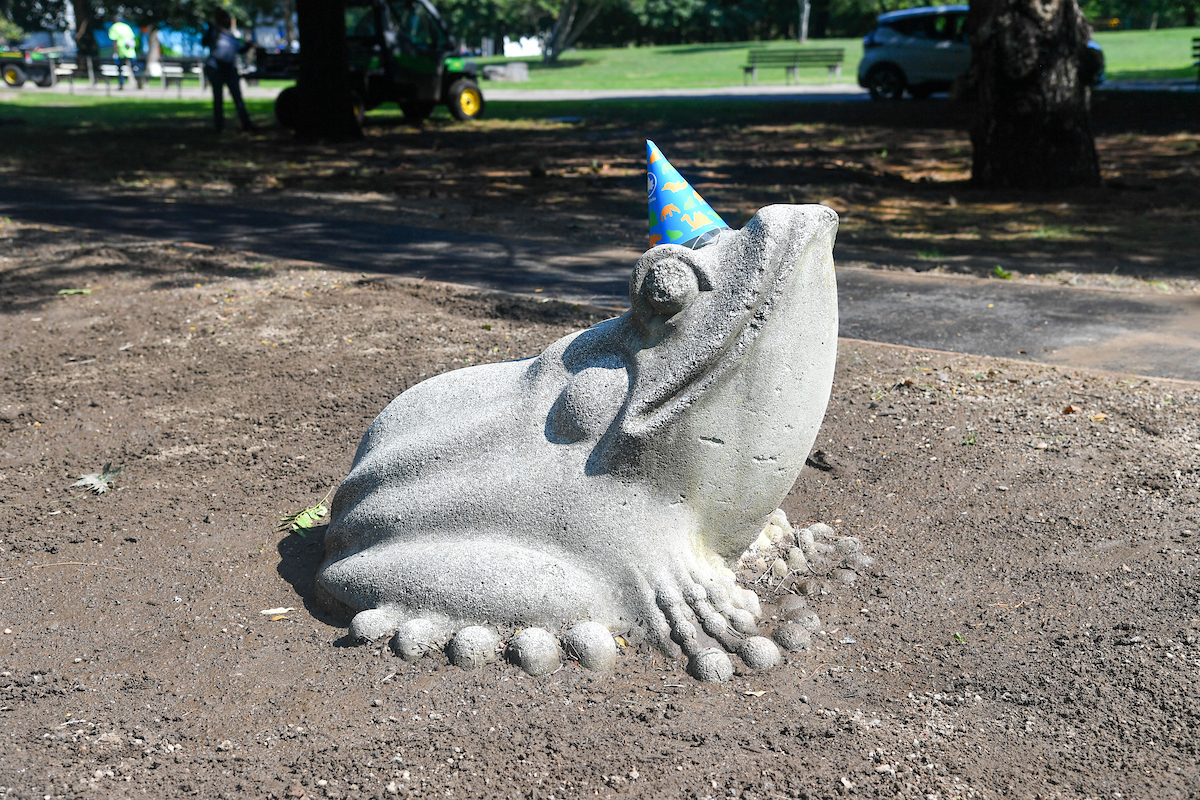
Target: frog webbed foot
{"type": "Point", "coordinates": [707, 616]}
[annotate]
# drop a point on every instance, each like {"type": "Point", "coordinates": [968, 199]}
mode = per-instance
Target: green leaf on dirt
{"type": "Point", "coordinates": [1001, 273]}
{"type": "Point", "coordinates": [74, 291]}
{"type": "Point", "coordinates": [302, 521]}
{"type": "Point", "coordinates": [960, 638]}
{"type": "Point", "coordinates": [99, 482]}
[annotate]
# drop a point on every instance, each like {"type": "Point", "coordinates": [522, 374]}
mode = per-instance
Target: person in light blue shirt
{"type": "Point", "coordinates": [220, 68]}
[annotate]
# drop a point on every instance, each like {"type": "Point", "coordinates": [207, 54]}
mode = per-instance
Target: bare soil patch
{"type": "Point", "coordinates": [1030, 628]}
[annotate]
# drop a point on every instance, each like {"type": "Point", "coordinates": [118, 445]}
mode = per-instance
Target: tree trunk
{"type": "Point", "coordinates": [1031, 71]}
{"type": "Point", "coordinates": [326, 108]}
{"type": "Point", "coordinates": [567, 29]}
{"type": "Point", "coordinates": [153, 54]}
{"type": "Point", "coordinates": [85, 27]}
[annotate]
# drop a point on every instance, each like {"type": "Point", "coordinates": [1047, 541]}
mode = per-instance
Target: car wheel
{"type": "Point", "coordinates": [885, 82]}
{"type": "Point", "coordinates": [13, 75]}
{"type": "Point", "coordinates": [416, 111]}
{"type": "Point", "coordinates": [465, 101]}
{"type": "Point", "coordinates": [287, 108]}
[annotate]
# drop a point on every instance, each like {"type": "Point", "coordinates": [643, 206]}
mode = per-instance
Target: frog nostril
{"type": "Point", "coordinates": [670, 287]}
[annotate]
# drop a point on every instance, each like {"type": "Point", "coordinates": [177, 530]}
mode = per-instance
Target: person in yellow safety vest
{"type": "Point", "coordinates": [124, 42]}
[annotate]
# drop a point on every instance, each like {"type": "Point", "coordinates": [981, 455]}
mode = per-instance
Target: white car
{"type": "Point", "coordinates": [922, 50]}
{"type": "Point", "coordinates": [919, 49]}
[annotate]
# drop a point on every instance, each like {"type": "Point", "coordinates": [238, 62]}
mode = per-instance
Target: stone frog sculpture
{"type": "Point", "coordinates": [616, 477]}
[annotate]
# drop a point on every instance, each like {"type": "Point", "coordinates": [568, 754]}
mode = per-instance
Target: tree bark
{"type": "Point", "coordinates": [567, 29]}
{"type": "Point", "coordinates": [1031, 73]}
{"type": "Point", "coordinates": [85, 27]}
{"type": "Point", "coordinates": [327, 110]}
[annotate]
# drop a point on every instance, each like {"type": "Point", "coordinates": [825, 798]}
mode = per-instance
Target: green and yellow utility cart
{"type": "Point", "coordinates": [18, 66]}
{"type": "Point", "coordinates": [400, 52]}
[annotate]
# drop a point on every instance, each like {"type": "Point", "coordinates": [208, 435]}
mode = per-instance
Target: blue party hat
{"type": "Point", "coordinates": [678, 214]}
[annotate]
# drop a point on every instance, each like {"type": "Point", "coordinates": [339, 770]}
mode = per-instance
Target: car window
{"type": "Point", "coordinates": [949, 27]}
{"type": "Point", "coordinates": [360, 21]}
{"type": "Point", "coordinates": [417, 26]}
{"type": "Point", "coordinates": [925, 26]}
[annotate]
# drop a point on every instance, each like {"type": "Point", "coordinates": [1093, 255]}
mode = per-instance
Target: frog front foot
{"type": "Point", "coordinates": [707, 616]}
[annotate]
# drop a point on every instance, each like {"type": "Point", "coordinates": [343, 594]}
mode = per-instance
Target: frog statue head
{"type": "Point", "coordinates": [616, 477]}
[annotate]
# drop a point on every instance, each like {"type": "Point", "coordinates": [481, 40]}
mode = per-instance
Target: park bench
{"type": "Point", "coordinates": [176, 70]}
{"type": "Point", "coordinates": [792, 60]}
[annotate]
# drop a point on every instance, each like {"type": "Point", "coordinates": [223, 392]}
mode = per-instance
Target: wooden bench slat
{"type": "Point", "coordinates": [791, 60]}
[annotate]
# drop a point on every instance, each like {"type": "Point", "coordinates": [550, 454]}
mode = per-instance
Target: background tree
{"type": "Point", "coordinates": [1031, 71]}
{"type": "Point", "coordinates": [10, 32]}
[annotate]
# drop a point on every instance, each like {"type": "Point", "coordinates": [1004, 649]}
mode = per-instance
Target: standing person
{"type": "Point", "coordinates": [124, 42]}
{"type": "Point", "coordinates": [221, 68]}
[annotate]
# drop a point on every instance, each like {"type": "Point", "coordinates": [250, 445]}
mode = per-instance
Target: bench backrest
{"type": "Point", "coordinates": [823, 55]}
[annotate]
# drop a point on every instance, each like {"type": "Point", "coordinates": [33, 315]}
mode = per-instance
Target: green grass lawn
{"type": "Point", "coordinates": [1134, 55]}
{"type": "Point", "coordinates": [1129, 55]}
{"type": "Point", "coordinates": [673, 67]}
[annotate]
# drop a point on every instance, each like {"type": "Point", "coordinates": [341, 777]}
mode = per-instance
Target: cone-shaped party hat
{"type": "Point", "coordinates": [678, 214]}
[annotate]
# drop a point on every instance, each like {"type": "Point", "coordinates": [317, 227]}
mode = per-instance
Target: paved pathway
{"type": "Point", "coordinates": [499, 92]}
{"type": "Point", "coordinates": [1145, 334]}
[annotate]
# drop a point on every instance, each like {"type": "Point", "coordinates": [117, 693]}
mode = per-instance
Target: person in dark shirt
{"type": "Point", "coordinates": [220, 68]}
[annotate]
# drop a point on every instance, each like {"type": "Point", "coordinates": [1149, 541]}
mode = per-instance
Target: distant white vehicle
{"type": "Point", "coordinates": [523, 48]}
{"type": "Point", "coordinates": [922, 51]}
{"type": "Point", "coordinates": [919, 49]}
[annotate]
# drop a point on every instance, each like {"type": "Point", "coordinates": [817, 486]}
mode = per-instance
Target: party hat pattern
{"type": "Point", "coordinates": [678, 214]}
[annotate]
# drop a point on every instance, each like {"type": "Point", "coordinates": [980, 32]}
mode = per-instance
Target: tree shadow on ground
{"type": "Point", "coordinates": [66, 263]}
{"type": "Point", "coordinates": [896, 172]}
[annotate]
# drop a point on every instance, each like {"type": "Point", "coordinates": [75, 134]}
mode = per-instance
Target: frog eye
{"type": "Point", "coordinates": [670, 286]}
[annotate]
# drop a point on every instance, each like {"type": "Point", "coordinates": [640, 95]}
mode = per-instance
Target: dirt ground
{"type": "Point", "coordinates": [1030, 628]}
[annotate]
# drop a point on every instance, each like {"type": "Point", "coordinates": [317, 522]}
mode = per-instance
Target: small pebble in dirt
{"type": "Point", "coordinates": [793, 638]}
{"type": "Point", "coordinates": [806, 538]}
{"type": "Point", "coordinates": [848, 545]}
{"type": "Point", "coordinates": [846, 576]}
{"type": "Point", "coordinates": [796, 560]}
{"type": "Point", "coordinates": [759, 652]}
{"type": "Point", "coordinates": [791, 602]}
{"type": "Point", "coordinates": [860, 562]}
{"type": "Point", "coordinates": [376, 703]}
{"type": "Point", "coordinates": [535, 650]}
{"type": "Point", "coordinates": [592, 645]}
{"type": "Point", "coordinates": [473, 647]}
{"type": "Point", "coordinates": [805, 617]}
{"type": "Point", "coordinates": [711, 666]}
{"type": "Point", "coordinates": [372, 624]}
{"type": "Point", "coordinates": [809, 587]}
{"type": "Point", "coordinates": [415, 638]}
{"type": "Point", "coordinates": [779, 568]}
{"type": "Point", "coordinates": [822, 531]}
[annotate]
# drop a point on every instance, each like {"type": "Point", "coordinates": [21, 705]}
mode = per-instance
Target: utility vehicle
{"type": "Point", "coordinates": [400, 52]}
{"type": "Point", "coordinates": [18, 66]}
